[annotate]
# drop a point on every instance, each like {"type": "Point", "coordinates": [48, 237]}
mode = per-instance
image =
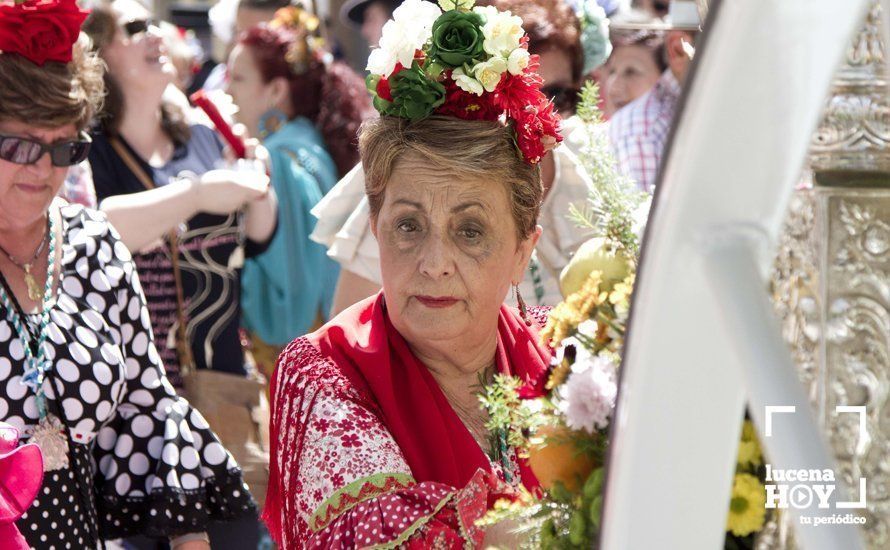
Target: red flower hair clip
{"type": "Point", "coordinates": [40, 30]}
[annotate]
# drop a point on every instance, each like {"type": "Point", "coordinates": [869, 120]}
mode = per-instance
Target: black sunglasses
{"type": "Point", "coordinates": [28, 151]}
{"type": "Point", "coordinates": [137, 26]}
{"type": "Point", "coordinates": [565, 98]}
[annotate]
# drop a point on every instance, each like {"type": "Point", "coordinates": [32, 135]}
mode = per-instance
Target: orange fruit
{"type": "Point", "coordinates": [555, 458]}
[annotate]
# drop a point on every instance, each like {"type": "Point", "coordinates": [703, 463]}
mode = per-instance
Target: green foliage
{"type": "Point", "coordinates": [614, 199]}
{"type": "Point", "coordinates": [508, 413]}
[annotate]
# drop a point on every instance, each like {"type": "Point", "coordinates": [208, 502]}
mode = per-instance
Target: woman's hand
{"type": "Point", "coordinates": [224, 191]}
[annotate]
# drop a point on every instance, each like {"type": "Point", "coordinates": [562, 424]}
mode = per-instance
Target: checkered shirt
{"type": "Point", "coordinates": [639, 131]}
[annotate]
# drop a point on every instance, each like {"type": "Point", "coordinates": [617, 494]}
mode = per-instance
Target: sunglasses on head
{"type": "Point", "coordinates": [21, 150]}
{"type": "Point", "coordinates": [136, 26]}
{"type": "Point", "coordinates": [565, 98]}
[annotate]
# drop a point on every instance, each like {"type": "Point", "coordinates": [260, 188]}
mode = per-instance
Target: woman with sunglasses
{"type": "Point", "coordinates": [553, 30]}
{"type": "Point", "coordinates": [79, 372]}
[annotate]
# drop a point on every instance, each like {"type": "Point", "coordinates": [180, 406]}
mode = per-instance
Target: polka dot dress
{"type": "Point", "coordinates": [142, 461]}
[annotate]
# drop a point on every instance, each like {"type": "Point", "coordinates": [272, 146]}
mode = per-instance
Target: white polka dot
{"type": "Point", "coordinates": [67, 371]}
{"type": "Point", "coordinates": [67, 304]}
{"type": "Point", "coordinates": [100, 281]}
{"type": "Point", "coordinates": [142, 398]}
{"type": "Point", "coordinates": [189, 458]}
{"type": "Point", "coordinates": [124, 446]}
{"type": "Point", "coordinates": [5, 331]}
{"type": "Point", "coordinates": [96, 301]}
{"type": "Point", "coordinates": [86, 337]}
{"type": "Point", "coordinates": [79, 353]}
{"type": "Point", "coordinates": [102, 373]}
{"type": "Point", "coordinates": [170, 455]}
{"type": "Point", "coordinates": [85, 426]}
{"type": "Point", "coordinates": [142, 426]}
{"type": "Point", "coordinates": [104, 254]}
{"type": "Point", "coordinates": [134, 308]}
{"type": "Point", "coordinates": [4, 408]}
{"type": "Point", "coordinates": [139, 464]}
{"type": "Point", "coordinates": [82, 266]}
{"type": "Point", "coordinates": [73, 408]}
{"type": "Point", "coordinates": [5, 367]}
{"type": "Point", "coordinates": [149, 379]}
{"type": "Point", "coordinates": [155, 445]}
{"type": "Point", "coordinates": [15, 389]}
{"type": "Point", "coordinates": [30, 407]}
{"type": "Point", "coordinates": [89, 391]}
{"type": "Point", "coordinates": [93, 319]}
{"type": "Point", "coordinates": [16, 350]}
{"type": "Point", "coordinates": [122, 484]}
{"type": "Point", "coordinates": [72, 287]}
{"type": "Point", "coordinates": [103, 410]}
{"type": "Point", "coordinates": [114, 314]}
{"type": "Point", "coordinates": [140, 343]}
{"type": "Point", "coordinates": [172, 479]}
{"type": "Point", "coordinates": [54, 334]}
{"type": "Point", "coordinates": [198, 420]}
{"type": "Point", "coordinates": [108, 466]}
{"type": "Point", "coordinates": [126, 333]}
{"type": "Point", "coordinates": [214, 453]}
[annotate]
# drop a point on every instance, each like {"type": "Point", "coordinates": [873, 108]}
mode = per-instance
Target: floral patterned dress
{"type": "Point", "coordinates": [346, 482]}
{"type": "Point", "coordinates": [354, 488]}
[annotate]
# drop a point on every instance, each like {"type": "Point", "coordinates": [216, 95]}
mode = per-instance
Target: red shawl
{"type": "Point", "coordinates": [437, 446]}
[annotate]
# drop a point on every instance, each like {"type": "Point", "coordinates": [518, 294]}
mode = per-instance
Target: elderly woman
{"type": "Point", "coordinates": [79, 372]}
{"type": "Point", "coordinates": [553, 33]}
{"type": "Point", "coordinates": [378, 435]}
{"type": "Point", "coordinates": [636, 62]}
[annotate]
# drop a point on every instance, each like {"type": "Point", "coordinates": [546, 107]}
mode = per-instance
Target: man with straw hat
{"type": "Point", "coordinates": [639, 131]}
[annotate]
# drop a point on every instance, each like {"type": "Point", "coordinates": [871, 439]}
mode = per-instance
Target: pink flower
{"type": "Point", "coordinates": [588, 395]}
{"type": "Point", "coordinates": [350, 440]}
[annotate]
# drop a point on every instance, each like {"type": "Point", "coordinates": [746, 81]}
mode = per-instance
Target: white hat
{"type": "Point", "coordinates": [683, 15]}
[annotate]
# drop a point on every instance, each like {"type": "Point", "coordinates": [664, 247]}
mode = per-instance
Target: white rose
{"type": "Point", "coordinates": [489, 72]}
{"type": "Point", "coordinates": [466, 83]}
{"type": "Point", "coordinates": [518, 61]}
{"type": "Point", "coordinates": [502, 31]}
{"type": "Point", "coordinates": [409, 29]}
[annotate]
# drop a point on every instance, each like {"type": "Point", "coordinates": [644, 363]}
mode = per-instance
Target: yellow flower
{"type": "Point", "coordinates": [747, 507]}
{"type": "Point", "coordinates": [750, 454]}
{"type": "Point", "coordinates": [575, 309]}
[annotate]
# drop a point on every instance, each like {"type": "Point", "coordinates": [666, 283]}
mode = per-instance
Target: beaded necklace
{"type": "Point", "coordinates": [49, 434]}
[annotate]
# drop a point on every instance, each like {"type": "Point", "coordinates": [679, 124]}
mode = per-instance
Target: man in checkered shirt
{"type": "Point", "coordinates": [639, 130]}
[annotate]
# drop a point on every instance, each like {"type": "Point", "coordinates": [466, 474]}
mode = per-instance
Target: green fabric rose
{"type": "Point", "coordinates": [415, 96]}
{"type": "Point", "coordinates": [457, 38]}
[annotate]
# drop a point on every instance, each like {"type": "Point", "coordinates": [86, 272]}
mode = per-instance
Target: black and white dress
{"type": "Point", "coordinates": [142, 461]}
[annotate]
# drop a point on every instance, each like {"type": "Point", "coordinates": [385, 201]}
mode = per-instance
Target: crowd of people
{"type": "Point", "coordinates": [387, 236]}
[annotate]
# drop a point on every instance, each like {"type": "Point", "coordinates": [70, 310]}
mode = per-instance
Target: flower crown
{"type": "Point", "coordinates": [305, 47]}
{"type": "Point", "coordinates": [40, 30]}
{"type": "Point", "coordinates": [465, 62]}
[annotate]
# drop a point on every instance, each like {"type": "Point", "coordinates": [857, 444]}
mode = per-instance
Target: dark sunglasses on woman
{"type": "Point", "coordinates": [28, 151]}
{"type": "Point", "coordinates": [565, 98]}
{"type": "Point", "coordinates": [137, 26]}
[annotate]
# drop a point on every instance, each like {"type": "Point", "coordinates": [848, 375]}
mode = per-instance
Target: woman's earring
{"type": "Point", "coordinates": [271, 121]}
{"type": "Point", "coordinates": [523, 311]}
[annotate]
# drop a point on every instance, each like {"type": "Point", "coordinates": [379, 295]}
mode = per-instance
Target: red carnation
{"type": "Point", "coordinates": [40, 30]}
{"type": "Point", "coordinates": [467, 106]}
